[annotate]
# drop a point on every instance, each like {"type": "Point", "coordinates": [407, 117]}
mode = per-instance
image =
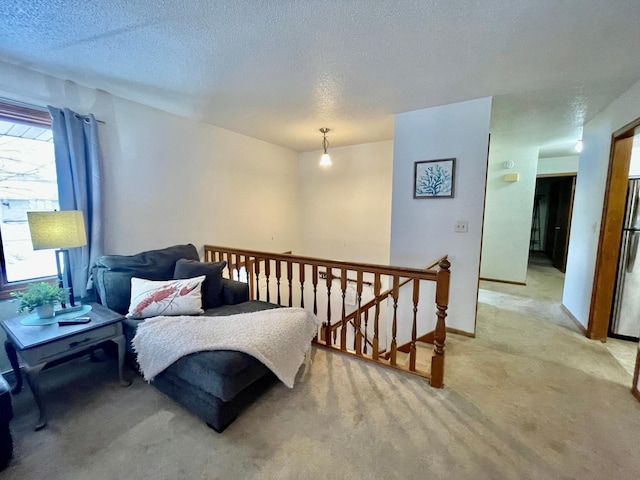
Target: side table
{"type": "Point", "coordinates": [39, 345]}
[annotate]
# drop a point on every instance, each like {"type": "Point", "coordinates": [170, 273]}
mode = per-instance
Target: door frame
{"type": "Point", "coordinates": [615, 197]}
{"type": "Point", "coordinates": [574, 176]}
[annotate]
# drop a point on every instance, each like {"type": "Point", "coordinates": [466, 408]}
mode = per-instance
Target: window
{"type": "Point", "coordinates": [27, 183]}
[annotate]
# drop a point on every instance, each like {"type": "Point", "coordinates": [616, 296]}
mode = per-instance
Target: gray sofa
{"type": "Point", "coordinates": [215, 385]}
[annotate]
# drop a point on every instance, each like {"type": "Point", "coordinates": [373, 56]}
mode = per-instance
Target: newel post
{"type": "Point", "coordinates": [442, 303]}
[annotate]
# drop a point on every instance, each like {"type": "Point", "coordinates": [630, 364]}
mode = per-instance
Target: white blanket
{"type": "Point", "coordinates": [279, 338]}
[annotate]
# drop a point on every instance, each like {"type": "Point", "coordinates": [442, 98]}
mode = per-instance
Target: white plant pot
{"type": "Point", "coordinates": [44, 311]}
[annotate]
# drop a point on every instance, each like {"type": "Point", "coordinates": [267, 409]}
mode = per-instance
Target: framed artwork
{"type": "Point", "coordinates": [434, 178]}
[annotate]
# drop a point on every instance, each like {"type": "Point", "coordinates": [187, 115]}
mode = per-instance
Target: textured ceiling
{"type": "Point", "coordinates": [278, 70]}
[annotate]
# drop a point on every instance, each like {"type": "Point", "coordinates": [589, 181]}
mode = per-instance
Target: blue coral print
{"type": "Point", "coordinates": [434, 181]}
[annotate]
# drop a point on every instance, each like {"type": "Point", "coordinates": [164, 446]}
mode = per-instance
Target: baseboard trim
{"type": "Point", "coordinates": [636, 375]}
{"type": "Point", "coordinates": [575, 320]}
{"type": "Point", "coordinates": [460, 332]}
{"type": "Point", "coordinates": [509, 282]}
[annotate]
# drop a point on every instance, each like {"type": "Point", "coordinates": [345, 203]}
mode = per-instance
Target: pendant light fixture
{"type": "Point", "coordinates": [325, 160]}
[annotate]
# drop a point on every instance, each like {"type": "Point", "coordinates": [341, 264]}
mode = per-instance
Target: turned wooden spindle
{"type": "Point", "coordinates": [366, 325]}
{"type": "Point", "coordinates": [257, 264]}
{"type": "Point", "coordinates": [328, 325]}
{"type": "Point", "coordinates": [376, 320]}
{"type": "Point", "coordinates": [301, 273]}
{"type": "Point", "coordinates": [314, 280]}
{"type": "Point", "coordinates": [359, 314]}
{"type": "Point", "coordinates": [414, 325]}
{"type": "Point", "coordinates": [343, 329]}
{"type": "Point", "coordinates": [267, 273]}
{"type": "Point", "coordinates": [394, 325]}
{"type": "Point", "coordinates": [278, 274]}
{"type": "Point", "coordinates": [289, 279]}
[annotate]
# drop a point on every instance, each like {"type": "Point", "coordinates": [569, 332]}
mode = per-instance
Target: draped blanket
{"type": "Point", "coordinates": [279, 338]}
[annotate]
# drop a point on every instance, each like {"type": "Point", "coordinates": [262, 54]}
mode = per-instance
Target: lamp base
{"type": "Point", "coordinates": [69, 309]}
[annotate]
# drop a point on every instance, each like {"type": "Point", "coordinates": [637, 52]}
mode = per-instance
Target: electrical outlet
{"type": "Point", "coordinates": [461, 226]}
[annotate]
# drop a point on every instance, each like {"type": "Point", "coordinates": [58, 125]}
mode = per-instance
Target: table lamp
{"type": "Point", "coordinates": [61, 230]}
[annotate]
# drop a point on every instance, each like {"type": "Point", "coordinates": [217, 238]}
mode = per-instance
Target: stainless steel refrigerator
{"type": "Point", "coordinates": [626, 304]}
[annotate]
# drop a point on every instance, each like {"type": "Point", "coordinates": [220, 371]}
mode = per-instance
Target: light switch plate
{"type": "Point", "coordinates": [461, 226]}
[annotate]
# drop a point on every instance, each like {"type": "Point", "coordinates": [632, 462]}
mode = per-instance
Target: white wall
{"type": "Point", "coordinates": [589, 199]}
{"type": "Point", "coordinates": [508, 211]}
{"type": "Point", "coordinates": [346, 207]}
{"type": "Point", "coordinates": [556, 165]}
{"type": "Point", "coordinates": [422, 229]}
{"type": "Point", "coordinates": [172, 180]}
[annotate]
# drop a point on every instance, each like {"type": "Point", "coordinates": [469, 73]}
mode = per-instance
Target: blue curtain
{"type": "Point", "coordinates": [78, 166]}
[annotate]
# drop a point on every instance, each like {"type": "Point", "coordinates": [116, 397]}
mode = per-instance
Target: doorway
{"type": "Point", "coordinates": [611, 231]}
{"type": "Point", "coordinates": [550, 227]}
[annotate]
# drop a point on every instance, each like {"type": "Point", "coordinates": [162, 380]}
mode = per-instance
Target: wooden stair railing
{"type": "Point", "coordinates": [258, 268]}
{"type": "Point", "coordinates": [349, 320]}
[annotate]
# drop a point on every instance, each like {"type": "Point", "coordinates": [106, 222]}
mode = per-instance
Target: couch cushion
{"type": "Point", "coordinates": [212, 286]}
{"type": "Point", "coordinates": [113, 273]}
{"type": "Point", "coordinates": [222, 373]}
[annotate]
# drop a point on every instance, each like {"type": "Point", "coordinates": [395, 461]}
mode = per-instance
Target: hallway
{"type": "Point", "coordinates": [542, 297]}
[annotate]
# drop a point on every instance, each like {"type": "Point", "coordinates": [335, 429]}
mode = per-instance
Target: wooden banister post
{"type": "Point", "coordinates": [442, 303]}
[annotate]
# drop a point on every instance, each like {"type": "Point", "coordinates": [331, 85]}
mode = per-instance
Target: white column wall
{"type": "Point", "coordinates": [508, 213]}
{"type": "Point", "coordinates": [589, 200]}
{"type": "Point", "coordinates": [422, 229]}
{"type": "Point", "coordinates": [168, 179]}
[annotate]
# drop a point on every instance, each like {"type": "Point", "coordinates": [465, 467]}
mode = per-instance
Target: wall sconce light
{"type": "Point", "coordinates": [579, 146]}
{"type": "Point", "coordinates": [325, 160]}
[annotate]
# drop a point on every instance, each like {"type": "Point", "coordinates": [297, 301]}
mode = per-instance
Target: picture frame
{"type": "Point", "coordinates": [434, 178]}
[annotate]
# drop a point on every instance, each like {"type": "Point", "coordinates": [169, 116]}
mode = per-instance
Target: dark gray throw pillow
{"type": "Point", "coordinates": [212, 286]}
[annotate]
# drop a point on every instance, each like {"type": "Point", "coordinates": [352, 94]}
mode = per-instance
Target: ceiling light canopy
{"type": "Point", "coordinates": [325, 160]}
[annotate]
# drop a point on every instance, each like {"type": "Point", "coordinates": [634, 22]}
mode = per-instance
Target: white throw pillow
{"type": "Point", "coordinates": [172, 297]}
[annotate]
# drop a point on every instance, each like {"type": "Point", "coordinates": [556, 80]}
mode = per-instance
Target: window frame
{"type": "Point", "coordinates": [35, 116]}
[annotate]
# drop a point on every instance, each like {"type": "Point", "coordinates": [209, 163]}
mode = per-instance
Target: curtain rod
{"type": "Point", "coordinates": [39, 108]}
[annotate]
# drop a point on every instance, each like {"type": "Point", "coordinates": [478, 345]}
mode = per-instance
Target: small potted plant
{"type": "Point", "coordinates": [40, 297]}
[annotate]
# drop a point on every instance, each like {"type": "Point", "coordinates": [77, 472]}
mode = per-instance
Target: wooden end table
{"type": "Point", "coordinates": [40, 345]}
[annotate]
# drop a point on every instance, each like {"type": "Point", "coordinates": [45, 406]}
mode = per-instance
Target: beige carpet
{"type": "Point", "coordinates": [529, 398]}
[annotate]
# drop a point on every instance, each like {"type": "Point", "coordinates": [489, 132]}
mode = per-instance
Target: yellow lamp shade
{"type": "Point", "coordinates": [64, 229]}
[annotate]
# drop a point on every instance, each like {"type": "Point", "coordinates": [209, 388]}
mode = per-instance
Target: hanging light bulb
{"type": "Point", "coordinates": [325, 160]}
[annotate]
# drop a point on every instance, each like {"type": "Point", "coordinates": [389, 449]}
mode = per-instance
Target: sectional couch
{"type": "Point", "coordinates": [215, 385]}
